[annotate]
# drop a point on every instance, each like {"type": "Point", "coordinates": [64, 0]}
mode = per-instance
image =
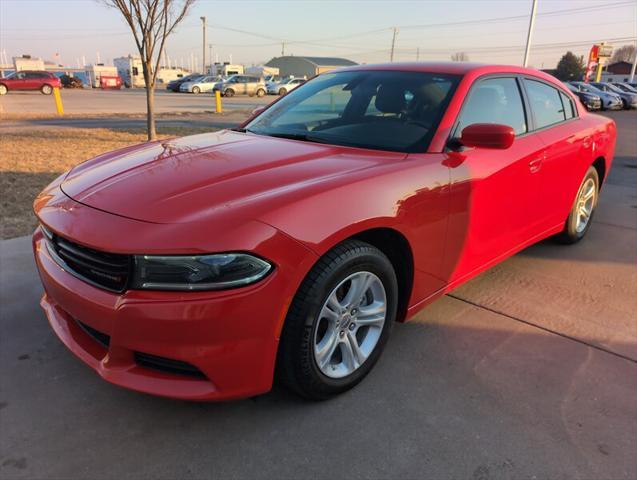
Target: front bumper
{"type": "Point", "coordinates": [229, 338]}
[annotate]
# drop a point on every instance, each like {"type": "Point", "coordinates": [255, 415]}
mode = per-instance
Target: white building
{"type": "Point", "coordinates": [95, 72]}
{"type": "Point", "coordinates": [25, 62]}
{"type": "Point", "coordinates": [261, 71]}
{"type": "Point", "coordinates": [226, 69]}
{"type": "Point", "coordinates": [130, 71]}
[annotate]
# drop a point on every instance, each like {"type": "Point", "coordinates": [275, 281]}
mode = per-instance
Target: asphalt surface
{"type": "Point", "coordinates": [125, 101]}
{"type": "Point", "coordinates": [527, 371]}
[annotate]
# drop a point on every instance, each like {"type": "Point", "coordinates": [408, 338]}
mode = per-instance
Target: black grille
{"type": "Point", "coordinates": [167, 365]}
{"type": "Point", "coordinates": [105, 270]}
{"type": "Point", "coordinates": [101, 338]}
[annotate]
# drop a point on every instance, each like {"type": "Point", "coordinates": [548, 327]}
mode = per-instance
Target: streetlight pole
{"type": "Point", "coordinates": [530, 34]}
{"type": "Point", "coordinates": [203, 59]}
{"type": "Point", "coordinates": [393, 44]}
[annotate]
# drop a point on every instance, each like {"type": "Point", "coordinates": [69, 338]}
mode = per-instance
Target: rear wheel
{"type": "Point", "coordinates": [196, 90]}
{"type": "Point", "coordinates": [47, 89]}
{"type": "Point", "coordinates": [260, 92]}
{"type": "Point", "coordinates": [228, 93]}
{"type": "Point", "coordinates": [282, 91]}
{"type": "Point", "coordinates": [339, 321]}
{"type": "Point", "coordinates": [3, 90]}
{"type": "Point", "coordinates": [581, 214]}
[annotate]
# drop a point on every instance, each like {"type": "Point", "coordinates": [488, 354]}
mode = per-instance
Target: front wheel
{"type": "Point", "coordinates": [339, 321]}
{"type": "Point", "coordinates": [3, 90]}
{"type": "Point", "coordinates": [282, 91]}
{"type": "Point", "coordinates": [46, 89]}
{"type": "Point", "coordinates": [196, 90]}
{"type": "Point", "coordinates": [228, 93]}
{"type": "Point", "coordinates": [260, 92]}
{"type": "Point", "coordinates": [581, 214]}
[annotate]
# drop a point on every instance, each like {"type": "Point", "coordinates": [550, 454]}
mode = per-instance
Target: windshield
{"type": "Point", "coordinates": [611, 87]}
{"type": "Point", "coordinates": [587, 87]}
{"type": "Point", "coordinates": [626, 88]}
{"type": "Point", "coordinates": [384, 110]}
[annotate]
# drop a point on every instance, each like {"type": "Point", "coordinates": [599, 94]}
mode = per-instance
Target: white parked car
{"type": "Point", "coordinates": [203, 84]}
{"type": "Point", "coordinates": [283, 87]}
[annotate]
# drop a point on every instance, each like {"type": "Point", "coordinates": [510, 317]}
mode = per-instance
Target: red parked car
{"type": "Point", "coordinates": [30, 80]}
{"type": "Point", "coordinates": [202, 268]}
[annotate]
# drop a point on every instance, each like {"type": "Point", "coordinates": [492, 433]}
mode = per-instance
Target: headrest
{"type": "Point", "coordinates": [390, 99]}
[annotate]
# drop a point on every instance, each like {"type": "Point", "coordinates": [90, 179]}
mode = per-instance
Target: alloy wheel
{"type": "Point", "coordinates": [350, 324]}
{"type": "Point", "coordinates": [585, 204]}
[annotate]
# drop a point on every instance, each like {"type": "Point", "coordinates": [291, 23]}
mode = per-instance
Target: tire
{"type": "Point", "coordinates": [228, 93]}
{"type": "Point", "coordinates": [300, 365]}
{"type": "Point", "coordinates": [196, 90]}
{"type": "Point", "coordinates": [260, 92]}
{"type": "Point", "coordinates": [46, 89]}
{"type": "Point", "coordinates": [3, 90]}
{"type": "Point", "coordinates": [575, 227]}
{"type": "Point", "coordinates": [282, 91]}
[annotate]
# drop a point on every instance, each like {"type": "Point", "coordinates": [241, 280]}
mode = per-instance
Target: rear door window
{"type": "Point", "coordinates": [569, 106]}
{"type": "Point", "coordinates": [494, 100]}
{"type": "Point", "coordinates": [545, 102]}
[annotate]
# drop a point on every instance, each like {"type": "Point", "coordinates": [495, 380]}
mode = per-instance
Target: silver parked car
{"type": "Point", "coordinates": [629, 99]}
{"type": "Point", "coordinates": [284, 86]}
{"type": "Point", "coordinates": [242, 85]}
{"type": "Point", "coordinates": [610, 101]}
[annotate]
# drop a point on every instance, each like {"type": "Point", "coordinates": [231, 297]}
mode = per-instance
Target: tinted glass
{"type": "Point", "coordinates": [545, 103]}
{"type": "Point", "coordinates": [335, 108]}
{"type": "Point", "coordinates": [569, 107]}
{"type": "Point", "coordinates": [495, 100]}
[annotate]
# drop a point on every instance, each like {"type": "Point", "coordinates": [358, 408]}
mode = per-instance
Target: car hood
{"type": "Point", "coordinates": [193, 178]}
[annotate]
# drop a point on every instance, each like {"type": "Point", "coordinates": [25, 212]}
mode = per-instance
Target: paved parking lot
{"type": "Point", "coordinates": [125, 101]}
{"type": "Point", "coordinates": [528, 371]}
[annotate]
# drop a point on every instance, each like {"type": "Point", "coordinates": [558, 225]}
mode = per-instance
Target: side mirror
{"type": "Point", "coordinates": [257, 111]}
{"type": "Point", "coordinates": [487, 135]}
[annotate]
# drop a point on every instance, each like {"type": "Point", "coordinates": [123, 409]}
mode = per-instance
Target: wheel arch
{"type": "Point", "coordinates": [600, 165]}
{"type": "Point", "coordinates": [397, 248]}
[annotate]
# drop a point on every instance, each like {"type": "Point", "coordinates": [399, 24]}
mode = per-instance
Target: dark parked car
{"type": "Point", "coordinates": [71, 82]}
{"type": "Point", "coordinates": [628, 99]}
{"type": "Point", "coordinates": [30, 80]}
{"type": "Point", "coordinates": [174, 85]}
{"type": "Point", "coordinates": [591, 101]}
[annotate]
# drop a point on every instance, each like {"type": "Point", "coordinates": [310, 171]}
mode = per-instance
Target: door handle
{"type": "Point", "coordinates": [536, 164]}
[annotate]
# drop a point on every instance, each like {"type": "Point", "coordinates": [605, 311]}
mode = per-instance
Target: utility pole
{"type": "Point", "coordinates": [203, 52]}
{"type": "Point", "coordinates": [632, 70]}
{"type": "Point", "coordinates": [283, 49]}
{"type": "Point", "coordinates": [527, 51]}
{"type": "Point", "coordinates": [210, 53]}
{"type": "Point", "coordinates": [393, 44]}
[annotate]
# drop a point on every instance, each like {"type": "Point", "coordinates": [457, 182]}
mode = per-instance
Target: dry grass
{"type": "Point", "coordinates": [29, 160]}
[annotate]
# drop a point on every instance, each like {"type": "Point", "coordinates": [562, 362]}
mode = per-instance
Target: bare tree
{"type": "Point", "coordinates": [625, 53]}
{"type": "Point", "coordinates": [460, 57]}
{"type": "Point", "coordinates": [152, 22]}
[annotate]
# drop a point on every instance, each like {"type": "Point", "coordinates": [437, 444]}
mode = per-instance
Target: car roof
{"type": "Point", "coordinates": [452, 68]}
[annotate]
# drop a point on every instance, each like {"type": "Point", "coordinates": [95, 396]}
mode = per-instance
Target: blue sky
{"type": "Point", "coordinates": [359, 30]}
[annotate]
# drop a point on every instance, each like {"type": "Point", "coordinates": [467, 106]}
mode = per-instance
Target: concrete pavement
{"type": "Point", "coordinates": [527, 371]}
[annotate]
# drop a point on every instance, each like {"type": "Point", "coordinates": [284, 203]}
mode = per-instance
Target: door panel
{"type": "Point", "coordinates": [493, 209]}
{"type": "Point", "coordinates": [494, 193]}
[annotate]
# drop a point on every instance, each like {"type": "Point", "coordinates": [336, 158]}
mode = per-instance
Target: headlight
{"type": "Point", "coordinates": [202, 272]}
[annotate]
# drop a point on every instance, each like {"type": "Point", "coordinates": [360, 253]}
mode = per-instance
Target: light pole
{"type": "Point", "coordinates": [530, 34]}
{"type": "Point", "coordinates": [203, 56]}
{"type": "Point", "coordinates": [393, 44]}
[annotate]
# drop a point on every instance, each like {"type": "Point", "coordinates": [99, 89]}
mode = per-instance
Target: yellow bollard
{"type": "Point", "coordinates": [58, 101]}
{"type": "Point", "coordinates": [218, 101]}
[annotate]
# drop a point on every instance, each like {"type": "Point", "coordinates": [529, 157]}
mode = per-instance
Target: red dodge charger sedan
{"type": "Point", "coordinates": [204, 267]}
